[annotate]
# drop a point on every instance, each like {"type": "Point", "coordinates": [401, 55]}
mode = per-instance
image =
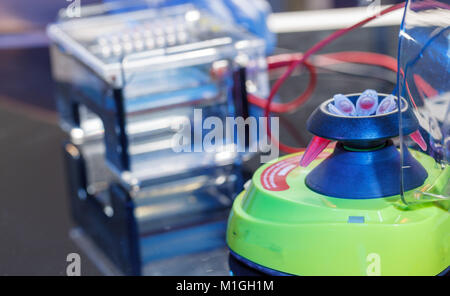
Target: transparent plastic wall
{"type": "Point", "coordinates": [133, 86]}
{"type": "Point", "coordinates": [163, 67]}
{"type": "Point", "coordinates": [424, 81]}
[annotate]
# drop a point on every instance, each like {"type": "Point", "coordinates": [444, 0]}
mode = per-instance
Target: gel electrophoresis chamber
{"type": "Point", "coordinates": [127, 82]}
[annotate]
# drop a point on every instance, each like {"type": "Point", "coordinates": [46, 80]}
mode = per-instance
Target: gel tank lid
{"type": "Point", "coordinates": [111, 40]}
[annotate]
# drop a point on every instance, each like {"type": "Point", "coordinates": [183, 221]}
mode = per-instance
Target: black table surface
{"type": "Point", "coordinates": [34, 213]}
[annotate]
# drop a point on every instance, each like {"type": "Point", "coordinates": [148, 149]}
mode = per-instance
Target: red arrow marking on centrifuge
{"type": "Point", "coordinates": [315, 147]}
{"type": "Point", "coordinates": [273, 178]}
{"type": "Point", "coordinates": [417, 137]}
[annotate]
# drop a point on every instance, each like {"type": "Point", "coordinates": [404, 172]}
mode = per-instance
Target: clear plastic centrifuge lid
{"type": "Point", "coordinates": [423, 80]}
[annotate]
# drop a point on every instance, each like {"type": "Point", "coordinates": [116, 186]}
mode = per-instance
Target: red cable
{"type": "Point", "coordinates": [304, 57]}
{"type": "Point", "coordinates": [283, 60]}
{"type": "Point", "coordinates": [319, 46]}
{"type": "Point", "coordinates": [286, 107]}
{"type": "Point", "coordinates": [368, 58]}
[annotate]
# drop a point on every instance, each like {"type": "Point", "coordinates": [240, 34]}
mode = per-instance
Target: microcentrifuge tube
{"type": "Point", "coordinates": [387, 105]}
{"type": "Point", "coordinates": [367, 103]}
{"type": "Point", "coordinates": [344, 105]}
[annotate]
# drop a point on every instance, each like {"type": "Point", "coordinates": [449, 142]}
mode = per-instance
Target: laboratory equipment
{"type": "Point", "coordinates": [340, 212]}
{"type": "Point", "coordinates": [128, 83]}
{"type": "Point", "coordinates": [378, 202]}
{"type": "Point", "coordinates": [249, 14]}
{"type": "Point", "coordinates": [423, 79]}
